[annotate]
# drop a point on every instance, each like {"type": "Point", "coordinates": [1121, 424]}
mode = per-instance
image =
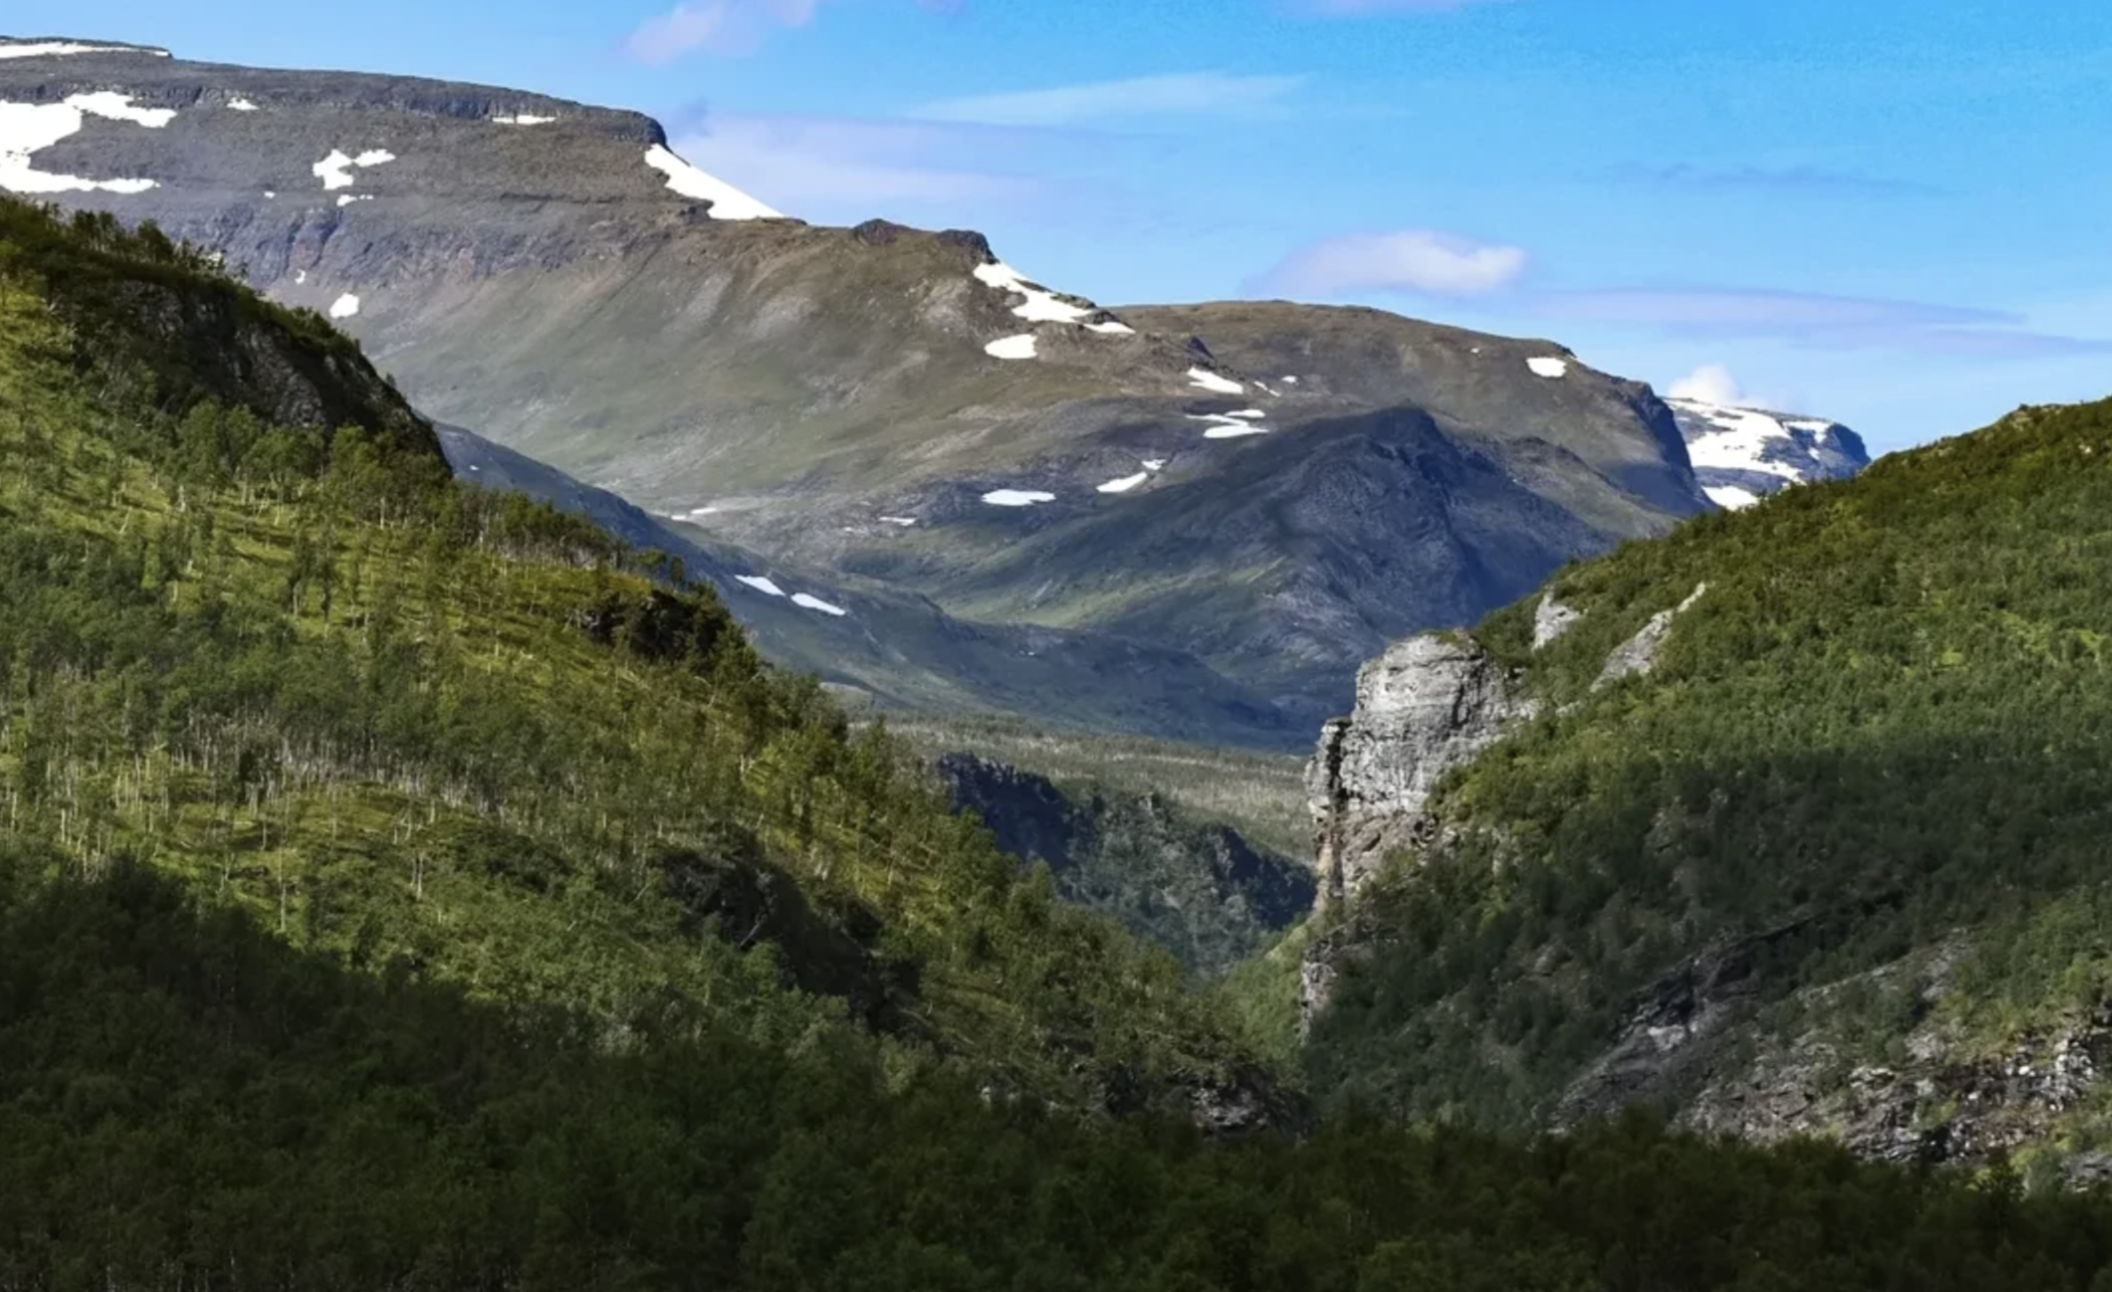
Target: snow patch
{"type": "Point", "coordinates": [1154, 464]}
{"type": "Point", "coordinates": [335, 170]}
{"type": "Point", "coordinates": [349, 198]}
{"type": "Point", "coordinates": [374, 157]}
{"type": "Point", "coordinates": [805, 602]}
{"type": "Point", "coordinates": [1266, 391]}
{"type": "Point", "coordinates": [1234, 430]}
{"type": "Point", "coordinates": [345, 306]}
{"type": "Point", "coordinates": [240, 104]}
{"type": "Point", "coordinates": [56, 48]}
{"type": "Point", "coordinates": [760, 584]}
{"type": "Point", "coordinates": [300, 276]}
{"type": "Point", "coordinates": [1290, 381]}
{"type": "Point", "coordinates": [904, 521]}
{"type": "Point", "coordinates": [1548, 367]}
{"type": "Point", "coordinates": [1731, 497]}
{"type": "Point", "coordinates": [1248, 414]}
{"type": "Point", "coordinates": [1126, 483]}
{"type": "Point", "coordinates": [25, 128]}
{"type": "Point", "coordinates": [1111, 327]}
{"type": "Point", "coordinates": [1041, 304]}
{"type": "Point", "coordinates": [727, 202]}
{"type": "Point", "coordinates": [1012, 347]}
{"type": "Point", "coordinates": [522, 119]}
{"type": "Point", "coordinates": [118, 107]}
{"type": "Point", "coordinates": [1017, 497]}
{"type": "Point", "coordinates": [1213, 383]}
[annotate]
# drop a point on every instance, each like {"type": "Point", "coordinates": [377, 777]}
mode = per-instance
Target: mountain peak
{"type": "Point", "coordinates": [1743, 454]}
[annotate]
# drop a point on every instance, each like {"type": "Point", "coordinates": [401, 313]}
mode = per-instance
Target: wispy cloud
{"type": "Point", "coordinates": [841, 170]}
{"type": "Point", "coordinates": [1819, 321]}
{"type": "Point", "coordinates": [726, 27]}
{"type": "Point", "coordinates": [1817, 181]}
{"type": "Point", "coordinates": [1177, 94]}
{"type": "Point", "coordinates": [1410, 260]}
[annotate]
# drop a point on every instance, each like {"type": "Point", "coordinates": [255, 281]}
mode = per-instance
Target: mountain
{"type": "Point", "coordinates": [1788, 823]}
{"type": "Point", "coordinates": [1264, 492]}
{"type": "Point", "coordinates": [1742, 455]}
{"type": "Point", "coordinates": [408, 884]}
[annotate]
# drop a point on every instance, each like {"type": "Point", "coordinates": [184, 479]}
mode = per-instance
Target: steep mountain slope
{"type": "Point", "coordinates": [881, 403]}
{"type": "Point", "coordinates": [1742, 455]}
{"type": "Point", "coordinates": [463, 738]}
{"type": "Point", "coordinates": [1792, 822]}
{"type": "Point", "coordinates": [899, 649]}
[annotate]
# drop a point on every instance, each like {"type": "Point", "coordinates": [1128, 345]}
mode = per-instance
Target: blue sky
{"type": "Point", "coordinates": [1886, 211]}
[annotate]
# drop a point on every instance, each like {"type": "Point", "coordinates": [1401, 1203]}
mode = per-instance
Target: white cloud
{"type": "Point", "coordinates": [1416, 260]}
{"type": "Point", "coordinates": [1712, 383]}
{"type": "Point", "coordinates": [1182, 93]}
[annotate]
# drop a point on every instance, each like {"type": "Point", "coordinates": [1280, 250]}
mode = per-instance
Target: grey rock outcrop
{"type": "Point", "coordinates": [1637, 657]}
{"type": "Point", "coordinates": [1426, 706]}
{"type": "Point", "coordinates": [1551, 620]}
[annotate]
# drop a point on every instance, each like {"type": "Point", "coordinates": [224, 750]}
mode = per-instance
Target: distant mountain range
{"type": "Point", "coordinates": [1211, 513]}
{"type": "Point", "coordinates": [1742, 455]}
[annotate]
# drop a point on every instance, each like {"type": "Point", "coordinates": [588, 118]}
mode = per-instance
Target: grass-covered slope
{"type": "Point", "coordinates": [1881, 732]}
{"type": "Point", "coordinates": [456, 733]}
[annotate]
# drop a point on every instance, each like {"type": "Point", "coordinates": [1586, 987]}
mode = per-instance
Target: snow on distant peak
{"type": "Point", "coordinates": [1017, 497]}
{"type": "Point", "coordinates": [1012, 347]}
{"type": "Point", "coordinates": [1731, 497]}
{"type": "Point", "coordinates": [727, 202]}
{"type": "Point", "coordinates": [1548, 367]}
{"type": "Point", "coordinates": [59, 48]}
{"type": "Point", "coordinates": [344, 307]}
{"type": "Point", "coordinates": [26, 128]}
{"type": "Point", "coordinates": [1205, 379]}
{"type": "Point", "coordinates": [1741, 455]}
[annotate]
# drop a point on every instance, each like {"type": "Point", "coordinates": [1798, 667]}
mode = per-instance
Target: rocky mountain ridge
{"type": "Point", "coordinates": [1272, 491]}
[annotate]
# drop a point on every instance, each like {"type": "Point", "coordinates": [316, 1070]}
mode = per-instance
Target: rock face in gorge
{"type": "Point", "coordinates": [1426, 706]}
{"type": "Point", "coordinates": [1246, 500]}
{"type": "Point", "coordinates": [1197, 888]}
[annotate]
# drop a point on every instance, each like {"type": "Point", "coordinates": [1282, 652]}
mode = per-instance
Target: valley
{"type": "Point", "coordinates": [561, 725]}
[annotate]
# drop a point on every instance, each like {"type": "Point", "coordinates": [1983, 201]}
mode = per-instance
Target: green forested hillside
{"type": "Point", "coordinates": [421, 726]}
{"type": "Point", "coordinates": [1883, 729]}
{"type": "Point", "coordinates": [403, 887]}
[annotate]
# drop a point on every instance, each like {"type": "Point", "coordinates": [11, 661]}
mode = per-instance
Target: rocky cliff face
{"type": "Point", "coordinates": [1426, 706]}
